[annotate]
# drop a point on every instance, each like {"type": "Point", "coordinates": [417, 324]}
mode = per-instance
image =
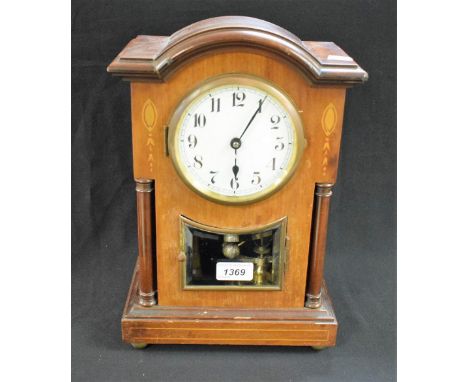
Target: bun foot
{"type": "Point", "coordinates": [318, 348]}
{"type": "Point", "coordinates": [139, 345]}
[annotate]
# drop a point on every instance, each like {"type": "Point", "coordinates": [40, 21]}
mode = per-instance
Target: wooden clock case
{"type": "Point", "coordinates": [162, 71]}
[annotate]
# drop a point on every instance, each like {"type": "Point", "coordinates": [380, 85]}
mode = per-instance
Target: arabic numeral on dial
{"type": "Point", "coordinates": [234, 184]}
{"type": "Point", "coordinates": [199, 120]}
{"type": "Point", "coordinates": [192, 141]}
{"type": "Point", "coordinates": [280, 145]}
{"type": "Point", "coordinates": [275, 120]}
{"type": "Point", "coordinates": [238, 99]}
{"type": "Point", "coordinates": [215, 105]}
{"type": "Point", "coordinates": [260, 104]}
{"type": "Point", "coordinates": [256, 178]}
{"type": "Point", "coordinates": [273, 164]}
{"type": "Point", "coordinates": [198, 161]}
{"type": "Point", "coordinates": [213, 177]}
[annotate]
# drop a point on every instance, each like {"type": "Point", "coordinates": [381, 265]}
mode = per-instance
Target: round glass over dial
{"type": "Point", "coordinates": [236, 139]}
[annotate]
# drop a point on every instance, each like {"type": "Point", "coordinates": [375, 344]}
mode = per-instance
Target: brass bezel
{"type": "Point", "coordinates": [249, 81]}
{"type": "Point", "coordinates": [280, 223]}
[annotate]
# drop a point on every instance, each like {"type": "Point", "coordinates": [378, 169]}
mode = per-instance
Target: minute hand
{"type": "Point", "coordinates": [253, 116]}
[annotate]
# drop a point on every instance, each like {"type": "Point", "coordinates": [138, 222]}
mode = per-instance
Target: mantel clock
{"type": "Point", "coordinates": [236, 128]}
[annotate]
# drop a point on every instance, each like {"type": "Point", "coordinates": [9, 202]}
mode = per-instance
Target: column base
{"type": "Point", "coordinates": [313, 301]}
{"type": "Point", "coordinates": [146, 299]}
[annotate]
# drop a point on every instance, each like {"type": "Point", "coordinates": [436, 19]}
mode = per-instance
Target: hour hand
{"type": "Point", "coordinates": [235, 169]}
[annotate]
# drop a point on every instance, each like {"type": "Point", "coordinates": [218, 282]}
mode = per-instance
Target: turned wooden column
{"type": "Point", "coordinates": [323, 193]}
{"type": "Point", "coordinates": [146, 292]}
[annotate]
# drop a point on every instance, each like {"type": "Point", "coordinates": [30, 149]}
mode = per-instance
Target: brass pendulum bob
{"type": "Point", "coordinates": [231, 246]}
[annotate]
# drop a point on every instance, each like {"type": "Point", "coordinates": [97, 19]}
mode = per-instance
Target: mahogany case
{"type": "Point", "coordinates": [162, 71]}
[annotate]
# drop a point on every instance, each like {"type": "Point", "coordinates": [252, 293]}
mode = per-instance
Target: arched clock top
{"type": "Point", "coordinates": [156, 57]}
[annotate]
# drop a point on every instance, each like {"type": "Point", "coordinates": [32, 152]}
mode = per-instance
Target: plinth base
{"type": "Point", "coordinates": [227, 326]}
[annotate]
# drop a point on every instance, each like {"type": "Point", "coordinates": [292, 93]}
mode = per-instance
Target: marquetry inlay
{"type": "Point", "coordinates": [149, 115]}
{"type": "Point", "coordinates": [329, 119]}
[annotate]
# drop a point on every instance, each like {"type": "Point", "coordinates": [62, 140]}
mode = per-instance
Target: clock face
{"type": "Point", "coordinates": [236, 139]}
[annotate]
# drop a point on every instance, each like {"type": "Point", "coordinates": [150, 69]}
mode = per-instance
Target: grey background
{"type": "Point", "coordinates": [361, 259]}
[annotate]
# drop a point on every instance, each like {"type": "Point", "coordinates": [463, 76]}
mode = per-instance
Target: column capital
{"type": "Point", "coordinates": [144, 185]}
{"type": "Point", "coordinates": [324, 190]}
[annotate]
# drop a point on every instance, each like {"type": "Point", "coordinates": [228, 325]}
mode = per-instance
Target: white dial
{"type": "Point", "coordinates": [236, 140]}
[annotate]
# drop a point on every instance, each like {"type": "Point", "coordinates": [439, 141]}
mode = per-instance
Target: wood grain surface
{"type": "Point", "coordinates": [157, 57]}
{"type": "Point", "coordinates": [228, 326]}
{"type": "Point", "coordinates": [295, 200]}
